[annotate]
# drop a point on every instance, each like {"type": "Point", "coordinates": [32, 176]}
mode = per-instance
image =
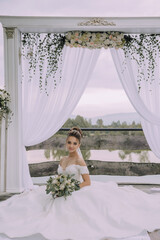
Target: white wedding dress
{"type": "Point", "coordinates": [96, 212]}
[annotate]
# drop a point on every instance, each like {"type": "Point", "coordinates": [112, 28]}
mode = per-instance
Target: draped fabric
{"type": "Point", "coordinates": [44, 115]}
{"type": "Point", "coordinates": [146, 101]}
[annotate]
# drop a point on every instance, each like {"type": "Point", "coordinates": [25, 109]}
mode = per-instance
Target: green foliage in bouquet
{"type": "Point", "coordinates": [62, 185]}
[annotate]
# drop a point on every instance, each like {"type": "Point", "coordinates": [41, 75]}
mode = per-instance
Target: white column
{"type": "Point", "coordinates": [13, 161]}
{"type": "Point", "coordinates": [3, 148]}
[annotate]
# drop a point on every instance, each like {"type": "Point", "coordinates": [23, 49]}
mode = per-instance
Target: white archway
{"type": "Point", "coordinates": [10, 161]}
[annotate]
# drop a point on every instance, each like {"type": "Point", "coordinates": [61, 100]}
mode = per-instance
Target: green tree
{"type": "Point", "coordinates": [99, 123]}
{"type": "Point", "coordinates": [58, 154]}
{"type": "Point", "coordinates": [47, 153]}
{"type": "Point", "coordinates": [86, 154]}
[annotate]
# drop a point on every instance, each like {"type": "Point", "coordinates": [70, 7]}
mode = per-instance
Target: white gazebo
{"type": "Point", "coordinates": [11, 139]}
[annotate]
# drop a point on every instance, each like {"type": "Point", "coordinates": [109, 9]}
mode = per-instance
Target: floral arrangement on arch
{"type": "Point", "coordinates": [4, 100]}
{"type": "Point", "coordinates": [49, 46]}
{"type": "Point", "coordinates": [93, 40]}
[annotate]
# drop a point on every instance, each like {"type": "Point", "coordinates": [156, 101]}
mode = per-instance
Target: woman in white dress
{"type": "Point", "coordinates": [97, 211]}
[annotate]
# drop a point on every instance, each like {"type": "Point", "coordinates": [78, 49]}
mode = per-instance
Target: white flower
{"type": "Point", "coordinates": [89, 34]}
{"type": "Point", "coordinates": [76, 34]}
{"type": "Point", "coordinates": [62, 186]}
{"type": "Point", "coordinates": [72, 41]}
{"type": "Point", "coordinates": [54, 181]}
{"type": "Point", "coordinates": [119, 38]}
{"type": "Point", "coordinates": [69, 35]}
{"type": "Point", "coordinates": [93, 36]}
{"type": "Point", "coordinates": [4, 100]}
{"type": "Point", "coordinates": [88, 44]}
{"type": "Point", "coordinates": [69, 181]}
{"type": "Point", "coordinates": [2, 97]}
{"type": "Point", "coordinates": [107, 41]}
{"type": "Point", "coordinates": [114, 44]}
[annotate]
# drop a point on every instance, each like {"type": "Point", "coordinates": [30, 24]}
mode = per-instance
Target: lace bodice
{"type": "Point", "coordinates": [75, 169]}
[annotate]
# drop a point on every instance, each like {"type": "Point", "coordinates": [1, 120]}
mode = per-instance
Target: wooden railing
{"type": "Point", "coordinates": [105, 129]}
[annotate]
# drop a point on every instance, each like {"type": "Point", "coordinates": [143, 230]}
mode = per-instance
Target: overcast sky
{"type": "Point", "coordinates": [104, 93]}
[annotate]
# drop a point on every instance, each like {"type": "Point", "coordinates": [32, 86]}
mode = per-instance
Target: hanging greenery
{"type": "Point", "coordinates": [38, 48]}
{"type": "Point", "coordinates": [143, 48]}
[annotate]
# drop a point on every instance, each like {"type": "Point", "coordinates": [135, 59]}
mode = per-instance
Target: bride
{"type": "Point", "coordinates": [98, 211]}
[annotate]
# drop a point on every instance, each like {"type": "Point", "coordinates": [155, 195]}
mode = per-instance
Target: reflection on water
{"type": "Point", "coordinates": [141, 156]}
{"type": "Point", "coordinates": [57, 154]}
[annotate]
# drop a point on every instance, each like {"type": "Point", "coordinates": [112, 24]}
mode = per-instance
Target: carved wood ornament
{"type": "Point", "coordinates": [96, 22]}
{"type": "Point", "coordinates": [10, 32]}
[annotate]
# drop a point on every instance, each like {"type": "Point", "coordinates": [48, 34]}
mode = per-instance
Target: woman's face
{"type": "Point", "coordinates": [72, 144]}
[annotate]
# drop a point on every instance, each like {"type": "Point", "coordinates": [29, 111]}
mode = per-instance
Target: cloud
{"type": "Point", "coordinates": [101, 101]}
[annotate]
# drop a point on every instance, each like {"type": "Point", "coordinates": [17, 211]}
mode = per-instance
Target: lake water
{"type": "Point", "coordinates": [144, 156]}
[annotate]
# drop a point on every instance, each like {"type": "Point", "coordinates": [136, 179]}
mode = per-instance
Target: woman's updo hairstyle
{"type": "Point", "coordinates": [75, 132]}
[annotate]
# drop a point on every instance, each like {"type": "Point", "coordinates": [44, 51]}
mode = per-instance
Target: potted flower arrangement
{"type": "Point", "coordinates": [4, 100]}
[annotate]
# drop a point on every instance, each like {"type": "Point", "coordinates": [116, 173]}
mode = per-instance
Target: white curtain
{"type": "Point", "coordinates": [147, 101]}
{"type": "Point", "coordinates": [44, 115]}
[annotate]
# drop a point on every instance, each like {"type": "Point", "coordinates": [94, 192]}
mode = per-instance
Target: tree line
{"type": "Point", "coordinates": [82, 122]}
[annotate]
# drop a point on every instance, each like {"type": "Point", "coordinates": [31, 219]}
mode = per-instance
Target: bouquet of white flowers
{"type": "Point", "coordinates": [4, 100]}
{"type": "Point", "coordinates": [62, 185]}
